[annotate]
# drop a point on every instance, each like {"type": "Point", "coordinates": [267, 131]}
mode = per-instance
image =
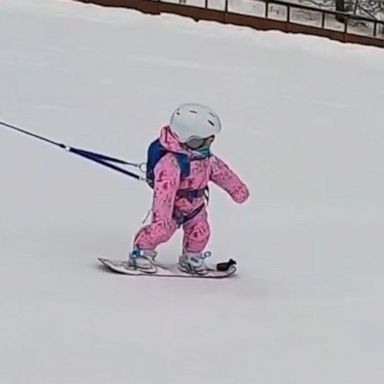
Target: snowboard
{"type": "Point", "coordinates": [216, 271]}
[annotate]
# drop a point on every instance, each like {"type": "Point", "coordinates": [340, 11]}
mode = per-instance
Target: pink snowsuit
{"type": "Point", "coordinates": [167, 183]}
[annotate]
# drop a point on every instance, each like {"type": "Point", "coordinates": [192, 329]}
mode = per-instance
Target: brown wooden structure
{"type": "Point", "coordinates": [372, 30]}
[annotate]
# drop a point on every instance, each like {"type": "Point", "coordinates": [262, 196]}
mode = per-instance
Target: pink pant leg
{"type": "Point", "coordinates": [150, 236]}
{"type": "Point", "coordinates": [196, 233]}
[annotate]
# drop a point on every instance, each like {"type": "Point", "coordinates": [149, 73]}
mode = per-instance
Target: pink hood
{"type": "Point", "coordinates": [169, 141]}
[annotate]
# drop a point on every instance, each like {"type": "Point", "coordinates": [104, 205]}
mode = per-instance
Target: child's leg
{"type": "Point", "coordinates": [150, 236]}
{"type": "Point", "coordinates": [196, 233]}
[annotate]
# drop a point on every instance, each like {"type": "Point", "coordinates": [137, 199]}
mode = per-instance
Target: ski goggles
{"type": "Point", "coordinates": [198, 143]}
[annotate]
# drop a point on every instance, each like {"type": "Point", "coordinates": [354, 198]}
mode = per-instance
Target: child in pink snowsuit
{"type": "Point", "coordinates": [174, 205]}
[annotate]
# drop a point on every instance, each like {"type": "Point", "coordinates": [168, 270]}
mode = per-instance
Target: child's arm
{"type": "Point", "coordinates": [166, 184]}
{"type": "Point", "coordinates": [225, 178]}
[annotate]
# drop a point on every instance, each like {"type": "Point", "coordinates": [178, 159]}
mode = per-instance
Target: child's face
{"type": "Point", "coordinates": [200, 144]}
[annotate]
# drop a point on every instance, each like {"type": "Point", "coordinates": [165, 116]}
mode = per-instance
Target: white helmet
{"type": "Point", "coordinates": [194, 121]}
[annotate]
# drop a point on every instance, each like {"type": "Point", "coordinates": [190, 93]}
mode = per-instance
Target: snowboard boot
{"type": "Point", "coordinates": [194, 263]}
{"type": "Point", "coordinates": [143, 260]}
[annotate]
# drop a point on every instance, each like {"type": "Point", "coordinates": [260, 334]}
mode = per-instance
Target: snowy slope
{"type": "Point", "coordinates": [302, 126]}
